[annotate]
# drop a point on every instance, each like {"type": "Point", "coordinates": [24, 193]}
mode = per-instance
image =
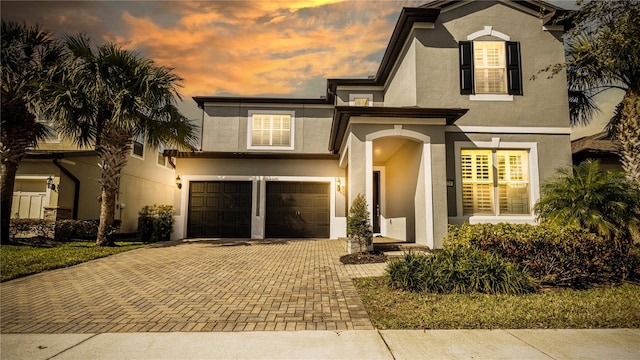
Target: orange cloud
{"type": "Point", "coordinates": [254, 48]}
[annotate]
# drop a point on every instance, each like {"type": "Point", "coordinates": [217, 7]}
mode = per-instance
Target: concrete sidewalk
{"type": "Point", "coordinates": [353, 344]}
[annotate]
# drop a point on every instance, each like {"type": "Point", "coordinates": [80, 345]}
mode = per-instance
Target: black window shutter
{"type": "Point", "coordinates": [514, 68]}
{"type": "Point", "coordinates": [466, 67]}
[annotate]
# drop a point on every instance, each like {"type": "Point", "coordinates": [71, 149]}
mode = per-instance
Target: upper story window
{"type": "Point", "coordinates": [160, 158]}
{"type": "Point", "coordinates": [271, 130]}
{"type": "Point", "coordinates": [360, 99]}
{"type": "Point", "coordinates": [138, 146]}
{"type": "Point", "coordinates": [53, 137]}
{"type": "Point", "coordinates": [490, 70]}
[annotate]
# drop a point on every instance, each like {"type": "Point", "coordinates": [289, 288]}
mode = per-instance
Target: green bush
{"type": "Point", "coordinates": [605, 202]}
{"type": "Point", "coordinates": [458, 270]}
{"type": "Point", "coordinates": [155, 223]}
{"type": "Point", "coordinates": [553, 255]}
{"type": "Point", "coordinates": [39, 228]}
{"type": "Point", "coordinates": [68, 230]}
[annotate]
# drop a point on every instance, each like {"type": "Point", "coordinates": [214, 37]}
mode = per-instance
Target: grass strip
{"type": "Point", "coordinates": [21, 260]}
{"type": "Point", "coordinates": [610, 307]}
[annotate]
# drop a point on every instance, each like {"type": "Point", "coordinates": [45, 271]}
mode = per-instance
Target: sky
{"type": "Point", "coordinates": [244, 48]}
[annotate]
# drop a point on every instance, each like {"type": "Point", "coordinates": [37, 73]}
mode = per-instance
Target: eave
{"type": "Point", "coordinates": [342, 117]}
{"type": "Point", "coordinates": [58, 154]}
{"type": "Point", "coordinates": [598, 143]}
{"type": "Point", "coordinates": [201, 100]}
{"type": "Point", "coordinates": [247, 155]}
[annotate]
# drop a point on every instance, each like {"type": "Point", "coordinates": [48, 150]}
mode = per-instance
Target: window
{"type": "Point", "coordinates": [490, 67]}
{"type": "Point", "coordinates": [271, 130]}
{"type": "Point", "coordinates": [161, 160]}
{"type": "Point", "coordinates": [495, 182]}
{"type": "Point", "coordinates": [138, 146]}
{"type": "Point", "coordinates": [360, 99]}
{"type": "Point", "coordinates": [53, 137]}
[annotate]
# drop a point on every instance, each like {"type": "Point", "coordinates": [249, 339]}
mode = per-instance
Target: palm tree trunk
{"type": "Point", "coordinates": [7, 181]}
{"type": "Point", "coordinates": [628, 134]}
{"type": "Point", "coordinates": [113, 152]}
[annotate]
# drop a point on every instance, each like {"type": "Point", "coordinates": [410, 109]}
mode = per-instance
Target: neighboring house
{"type": "Point", "coordinates": [449, 130]}
{"type": "Point", "coordinates": [59, 181]}
{"type": "Point", "coordinates": [600, 147]}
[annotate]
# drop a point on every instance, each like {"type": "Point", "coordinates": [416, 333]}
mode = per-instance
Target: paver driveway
{"type": "Point", "coordinates": [194, 286]}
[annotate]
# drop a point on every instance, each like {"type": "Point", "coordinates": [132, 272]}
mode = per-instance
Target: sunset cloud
{"type": "Point", "coordinates": [258, 48]}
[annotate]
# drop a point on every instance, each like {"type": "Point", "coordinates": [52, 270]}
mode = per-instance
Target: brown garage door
{"type": "Point", "coordinates": [297, 209]}
{"type": "Point", "coordinates": [219, 209]}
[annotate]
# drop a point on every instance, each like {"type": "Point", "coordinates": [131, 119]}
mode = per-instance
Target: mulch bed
{"type": "Point", "coordinates": [363, 258]}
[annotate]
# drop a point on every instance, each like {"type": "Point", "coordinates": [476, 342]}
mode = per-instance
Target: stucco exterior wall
{"type": "Point", "coordinates": [225, 127]}
{"type": "Point", "coordinates": [271, 168]}
{"type": "Point", "coordinates": [84, 168]}
{"type": "Point", "coordinates": [343, 96]}
{"type": "Point", "coordinates": [143, 182]}
{"type": "Point", "coordinates": [544, 102]}
{"type": "Point", "coordinates": [401, 90]}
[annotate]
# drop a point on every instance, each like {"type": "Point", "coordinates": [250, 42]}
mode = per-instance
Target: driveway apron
{"type": "Point", "coordinates": [194, 286]}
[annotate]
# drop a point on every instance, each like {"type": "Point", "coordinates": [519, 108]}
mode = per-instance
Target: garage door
{"type": "Point", "coordinates": [297, 209]}
{"type": "Point", "coordinates": [219, 209]}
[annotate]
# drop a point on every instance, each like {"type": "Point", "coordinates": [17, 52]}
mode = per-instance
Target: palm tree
{"type": "Point", "coordinates": [606, 203]}
{"type": "Point", "coordinates": [28, 54]}
{"type": "Point", "coordinates": [119, 95]}
{"type": "Point", "coordinates": [603, 52]}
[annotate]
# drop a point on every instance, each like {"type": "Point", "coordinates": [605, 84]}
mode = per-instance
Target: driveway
{"type": "Point", "coordinates": [194, 286]}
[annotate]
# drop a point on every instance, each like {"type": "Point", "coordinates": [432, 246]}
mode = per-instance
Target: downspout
{"type": "Point", "coordinates": [76, 192]}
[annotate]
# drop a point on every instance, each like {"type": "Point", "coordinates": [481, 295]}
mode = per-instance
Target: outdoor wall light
{"type": "Point", "coordinates": [339, 185]}
{"type": "Point", "coordinates": [50, 184]}
{"type": "Point", "coordinates": [179, 182]}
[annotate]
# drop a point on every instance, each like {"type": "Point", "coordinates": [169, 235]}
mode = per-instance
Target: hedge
{"type": "Point", "coordinates": [554, 255]}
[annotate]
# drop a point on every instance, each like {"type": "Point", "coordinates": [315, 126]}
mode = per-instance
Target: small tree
{"type": "Point", "coordinates": [359, 225]}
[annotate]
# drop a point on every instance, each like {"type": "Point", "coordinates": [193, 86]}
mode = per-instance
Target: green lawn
{"type": "Point", "coordinates": [22, 260]}
{"type": "Point", "coordinates": [611, 307]}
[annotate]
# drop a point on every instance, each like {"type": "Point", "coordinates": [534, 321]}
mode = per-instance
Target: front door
{"type": "Point", "coordinates": [376, 202]}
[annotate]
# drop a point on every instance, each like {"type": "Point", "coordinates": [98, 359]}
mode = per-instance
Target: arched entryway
{"type": "Point", "coordinates": [398, 186]}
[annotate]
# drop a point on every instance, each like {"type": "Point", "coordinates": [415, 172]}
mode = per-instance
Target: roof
{"type": "Point", "coordinates": [247, 155]}
{"type": "Point", "coordinates": [200, 100]}
{"type": "Point", "coordinates": [597, 143]}
{"type": "Point", "coordinates": [342, 116]}
{"type": "Point", "coordinates": [58, 154]}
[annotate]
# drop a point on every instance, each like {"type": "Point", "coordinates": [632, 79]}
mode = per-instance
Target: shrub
{"type": "Point", "coordinates": [67, 230]}
{"type": "Point", "coordinates": [459, 270]}
{"type": "Point", "coordinates": [358, 223]}
{"type": "Point", "coordinates": [606, 203]}
{"type": "Point", "coordinates": [155, 223]}
{"type": "Point", "coordinates": [553, 255]}
{"type": "Point", "coordinates": [38, 228]}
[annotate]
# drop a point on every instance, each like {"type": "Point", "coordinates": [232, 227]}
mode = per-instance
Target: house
{"type": "Point", "coordinates": [598, 146]}
{"type": "Point", "coordinates": [59, 181]}
{"type": "Point", "coordinates": [449, 130]}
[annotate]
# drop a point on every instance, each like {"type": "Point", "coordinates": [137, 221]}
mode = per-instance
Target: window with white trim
{"type": "Point", "coordinates": [490, 72]}
{"type": "Point", "coordinates": [160, 158]}
{"type": "Point", "coordinates": [490, 68]}
{"type": "Point", "coordinates": [273, 130]}
{"type": "Point", "coordinates": [495, 182]}
{"type": "Point", "coordinates": [53, 137]}
{"type": "Point", "coordinates": [361, 100]}
{"type": "Point", "coordinates": [138, 146]}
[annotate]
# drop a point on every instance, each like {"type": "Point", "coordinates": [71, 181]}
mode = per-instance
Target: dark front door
{"type": "Point", "coordinates": [297, 209]}
{"type": "Point", "coordinates": [376, 202]}
{"type": "Point", "coordinates": [219, 209]}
